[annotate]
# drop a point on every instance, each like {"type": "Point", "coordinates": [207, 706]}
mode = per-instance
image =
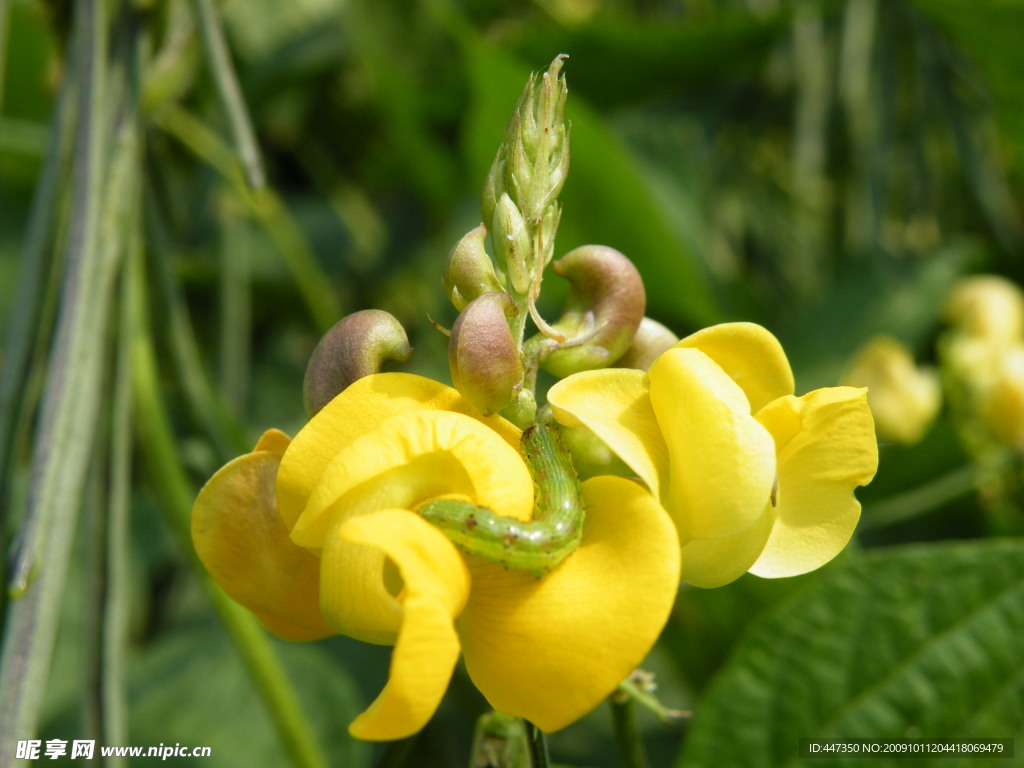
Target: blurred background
{"type": "Point", "coordinates": [830, 170]}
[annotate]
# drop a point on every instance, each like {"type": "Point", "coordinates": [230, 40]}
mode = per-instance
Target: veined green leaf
{"type": "Point", "coordinates": [914, 642]}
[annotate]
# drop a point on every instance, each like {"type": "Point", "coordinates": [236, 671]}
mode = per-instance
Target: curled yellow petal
{"type": "Point", "coordinates": [751, 356]}
{"type": "Point", "coordinates": [552, 649]}
{"type": "Point", "coordinates": [411, 458]}
{"type": "Point", "coordinates": [358, 410]}
{"type": "Point", "coordinates": [240, 538]}
{"type": "Point", "coordinates": [722, 459]}
{"type": "Point", "coordinates": [436, 585]}
{"type": "Point", "coordinates": [615, 405]}
{"type": "Point", "coordinates": [826, 448]}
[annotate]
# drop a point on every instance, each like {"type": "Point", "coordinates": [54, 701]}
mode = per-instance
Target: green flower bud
{"type": "Point", "coordinates": [356, 346]}
{"type": "Point", "coordinates": [512, 248]}
{"type": "Point", "coordinates": [533, 159]}
{"type": "Point", "coordinates": [483, 358]}
{"type": "Point", "coordinates": [529, 169]}
{"type": "Point", "coordinates": [469, 272]}
{"type": "Point", "coordinates": [650, 340]}
{"type": "Point", "coordinates": [604, 309]}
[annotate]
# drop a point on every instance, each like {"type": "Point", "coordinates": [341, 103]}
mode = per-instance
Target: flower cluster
{"type": "Point", "coordinates": [722, 470]}
{"type": "Point", "coordinates": [320, 536]}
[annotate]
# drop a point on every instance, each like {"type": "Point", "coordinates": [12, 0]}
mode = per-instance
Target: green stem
{"type": "Point", "coordinates": [538, 746]}
{"type": "Point", "coordinates": [5, 28]}
{"type": "Point", "coordinates": [205, 402]}
{"type": "Point", "coordinates": [161, 454]}
{"type": "Point", "coordinates": [235, 310]}
{"type": "Point", "coordinates": [266, 207]}
{"type": "Point", "coordinates": [918, 501]}
{"type": "Point", "coordinates": [396, 753]}
{"type": "Point", "coordinates": [627, 736]}
{"type": "Point", "coordinates": [26, 326]}
{"type": "Point", "coordinates": [230, 93]}
{"type": "Point", "coordinates": [70, 404]}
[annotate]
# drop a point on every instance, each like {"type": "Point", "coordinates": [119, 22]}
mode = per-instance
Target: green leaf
{"type": "Point", "coordinates": [915, 642]}
{"type": "Point", "coordinates": [191, 688]}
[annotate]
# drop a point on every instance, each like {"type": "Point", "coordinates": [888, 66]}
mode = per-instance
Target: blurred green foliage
{"type": "Point", "coordinates": [825, 168]}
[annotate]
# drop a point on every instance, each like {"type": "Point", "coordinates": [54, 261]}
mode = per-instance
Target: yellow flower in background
{"type": "Point", "coordinates": [755, 479]}
{"type": "Point", "coordinates": [347, 487]}
{"type": "Point", "coordinates": [983, 355]}
{"type": "Point", "coordinates": [904, 398]}
{"type": "Point", "coordinates": [987, 307]}
{"type": "Point", "coordinates": [1001, 404]}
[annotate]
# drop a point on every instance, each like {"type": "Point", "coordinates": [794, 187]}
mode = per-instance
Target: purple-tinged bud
{"type": "Point", "coordinates": [650, 340]}
{"type": "Point", "coordinates": [469, 272]}
{"type": "Point", "coordinates": [483, 358]}
{"type": "Point", "coordinates": [605, 306]}
{"type": "Point", "coordinates": [356, 346]}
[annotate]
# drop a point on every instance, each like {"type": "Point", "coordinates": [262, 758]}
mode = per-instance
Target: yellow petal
{"type": "Point", "coordinates": [710, 563]}
{"type": "Point", "coordinates": [436, 587]}
{"type": "Point", "coordinates": [722, 459]}
{"type": "Point", "coordinates": [552, 649]}
{"type": "Point", "coordinates": [360, 409]}
{"type": "Point", "coordinates": [751, 355]}
{"type": "Point", "coordinates": [826, 448]}
{"type": "Point", "coordinates": [411, 458]}
{"type": "Point", "coordinates": [614, 404]}
{"type": "Point", "coordinates": [243, 543]}
{"type": "Point", "coordinates": [273, 440]}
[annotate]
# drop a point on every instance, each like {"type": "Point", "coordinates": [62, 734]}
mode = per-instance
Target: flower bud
{"type": "Point", "coordinates": [356, 346]}
{"type": "Point", "coordinates": [903, 398]}
{"type": "Point", "coordinates": [483, 358]}
{"type": "Point", "coordinates": [512, 248]}
{"type": "Point", "coordinates": [987, 306]}
{"type": "Point", "coordinates": [650, 340]}
{"type": "Point", "coordinates": [469, 272]}
{"type": "Point", "coordinates": [604, 309]}
{"type": "Point", "coordinates": [533, 160]}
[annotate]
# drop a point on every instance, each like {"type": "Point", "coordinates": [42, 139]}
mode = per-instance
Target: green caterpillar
{"type": "Point", "coordinates": [536, 546]}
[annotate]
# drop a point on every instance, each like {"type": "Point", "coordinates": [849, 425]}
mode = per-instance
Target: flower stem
{"type": "Point", "coordinates": [161, 454]}
{"type": "Point", "coordinates": [627, 737]}
{"type": "Point", "coordinates": [219, 60]}
{"type": "Point", "coordinates": [538, 746]}
{"type": "Point", "coordinates": [395, 754]}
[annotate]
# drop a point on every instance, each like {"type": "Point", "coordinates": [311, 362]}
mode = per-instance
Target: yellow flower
{"type": "Point", "coordinates": [347, 487]}
{"type": "Point", "coordinates": [755, 479]}
{"type": "Point", "coordinates": [987, 307]}
{"type": "Point", "coordinates": [904, 398]}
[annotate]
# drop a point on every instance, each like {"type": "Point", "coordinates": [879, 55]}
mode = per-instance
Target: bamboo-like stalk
{"type": "Point", "coordinates": [24, 327]}
{"type": "Point", "coordinates": [64, 438]}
